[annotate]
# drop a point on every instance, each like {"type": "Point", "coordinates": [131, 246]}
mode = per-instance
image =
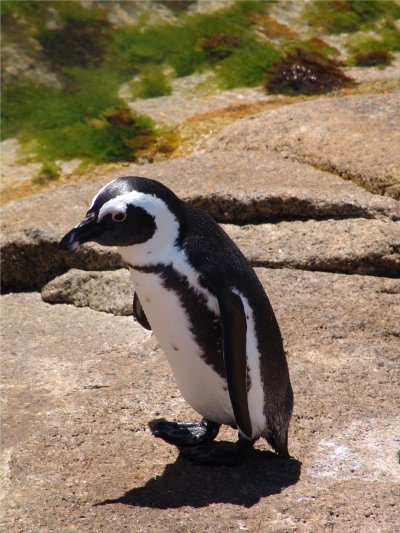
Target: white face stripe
{"type": "Point", "coordinates": [161, 247]}
{"type": "Point", "coordinates": [255, 395]}
{"type": "Point", "coordinates": [167, 227]}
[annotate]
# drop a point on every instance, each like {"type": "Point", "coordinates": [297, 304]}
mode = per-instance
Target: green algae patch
{"type": "Point", "coordinates": [48, 173]}
{"type": "Point", "coordinates": [74, 122]}
{"type": "Point", "coordinates": [151, 83]}
{"type": "Point", "coordinates": [92, 59]}
{"type": "Point", "coordinates": [223, 40]}
{"type": "Point", "coordinates": [248, 65]}
{"type": "Point", "coordinates": [348, 16]}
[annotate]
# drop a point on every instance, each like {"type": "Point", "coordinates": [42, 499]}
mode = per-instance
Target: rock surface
{"type": "Point", "coordinates": [352, 246]}
{"type": "Point", "coordinates": [191, 96]}
{"type": "Point", "coordinates": [234, 187]}
{"type": "Point", "coordinates": [357, 137]}
{"type": "Point", "coordinates": [360, 246]}
{"type": "Point", "coordinates": [80, 387]}
{"type": "Point", "coordinates": [110, 292]}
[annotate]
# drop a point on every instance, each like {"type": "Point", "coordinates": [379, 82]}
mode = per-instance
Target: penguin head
{"type": "Point", "coordinates": [129, 212]}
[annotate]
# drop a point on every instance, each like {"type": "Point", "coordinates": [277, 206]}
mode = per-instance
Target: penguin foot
{"type": "Point", "coordinates": [184, 434]}
{"type": "Point", "coordinates": [209, 456]}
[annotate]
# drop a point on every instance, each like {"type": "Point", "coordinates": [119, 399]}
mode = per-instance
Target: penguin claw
{"type": "Point", "coordinates": [184, 434]}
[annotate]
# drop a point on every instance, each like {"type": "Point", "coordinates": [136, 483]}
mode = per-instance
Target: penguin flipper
{"type": "Point", "coordinates": [139, 314]}
{"type": "Point", "coordinates": [234, 327]}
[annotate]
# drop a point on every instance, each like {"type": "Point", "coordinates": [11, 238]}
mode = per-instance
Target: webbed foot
{"type": "Point", "coordinates": [184, 434]}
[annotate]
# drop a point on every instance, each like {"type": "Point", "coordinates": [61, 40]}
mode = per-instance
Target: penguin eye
{"type": "Point", "coordinates": [118, 217]}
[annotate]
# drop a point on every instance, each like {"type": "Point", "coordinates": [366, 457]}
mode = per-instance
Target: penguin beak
{"type": "Point", "coordinates": [86, 231]}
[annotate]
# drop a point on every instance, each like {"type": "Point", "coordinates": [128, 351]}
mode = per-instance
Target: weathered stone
{"type": "Point", "coordinates": [81, 386]}
{"type": "Point", "coordinates": [238, 188]}
{"type": "Point", "coordinates": [353, 246]}
{"type": "Point", "coordinates": [357, 137]}
{"type": "Point", "coordinates": [233, 187]}
{"type": "Point", "coordinates": [31, 258]}
{"type": "Point", "coordinates": [110, 292]}
{"type": "Point", "coordinates": [350, 246]}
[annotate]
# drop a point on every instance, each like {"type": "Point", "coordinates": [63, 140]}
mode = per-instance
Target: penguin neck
{"type": "Point", "coordinates": [140, 256]}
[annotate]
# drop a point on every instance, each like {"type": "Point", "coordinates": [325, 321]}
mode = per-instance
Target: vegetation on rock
{"type": "Point", "coordinates": [152, 82]}
{"type": "Point", "coordinates": [307, 73]}
{"type": "Point", "coordinates": [373, 58]}
{"type": "Point", "coordinates": [347, 16]}
{"type": "Point", "coordinates": [241, 43]}
{"type": "Point", "coordinates": [92, 60]}
{"type": "Point", "coordinates": [70, 123]}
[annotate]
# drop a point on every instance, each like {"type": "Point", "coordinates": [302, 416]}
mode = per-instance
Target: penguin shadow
{"type": "Point", "coordinates": [182, 483]}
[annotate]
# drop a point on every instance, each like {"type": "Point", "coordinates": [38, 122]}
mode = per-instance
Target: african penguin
{"type": "Point", "coordinates": [208, 310]}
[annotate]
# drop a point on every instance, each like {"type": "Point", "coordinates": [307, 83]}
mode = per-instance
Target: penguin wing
{"type": "Point", "coordinates": [234, 328]}
{"type": "Point", "coordinates": [139, 314]}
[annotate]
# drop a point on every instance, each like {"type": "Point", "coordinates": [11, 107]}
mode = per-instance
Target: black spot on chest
{"type": "Point", "coordinates": [205, 325]}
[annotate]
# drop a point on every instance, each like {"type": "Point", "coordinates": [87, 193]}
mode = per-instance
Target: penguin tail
{"type": "Point", "coordinates": [279, 442]}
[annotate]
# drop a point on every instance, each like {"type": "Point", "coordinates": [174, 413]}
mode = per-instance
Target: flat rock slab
{"type": "Point", "coordinates": [110, 291]}
{"type": "Point", "coordinates": [349, 246]}
{"type": "Point", "coordinates": [233, 187]}
{"type": "Point", "coordinates": [357, 137]}
{"type": "Point", "coordinates": [188, 100]}
{"type": "Point", "coordinates": [353, 246]}
{"type": "Point", "coordinates": [80, 387]}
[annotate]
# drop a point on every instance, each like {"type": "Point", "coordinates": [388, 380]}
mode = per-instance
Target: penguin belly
{"type": "Point", "coordinates": [201, 386]}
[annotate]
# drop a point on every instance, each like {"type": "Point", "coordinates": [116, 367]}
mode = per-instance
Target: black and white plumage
{"type": "Point", "coordinates": [207, 308]}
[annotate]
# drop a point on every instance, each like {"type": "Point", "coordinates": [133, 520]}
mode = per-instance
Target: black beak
{"type": "Point", "coordinates": [86, 231]}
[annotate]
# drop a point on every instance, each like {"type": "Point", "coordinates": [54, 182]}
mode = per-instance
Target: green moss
{"type": "Point", "coordinates": [152, 83]}
{"type": "Point", "coordinates": [346, 16]}
{"type": "Point", "coordinates": [66, 125]}
{"type": "Point", "coordinates": [388, 40]}
{"type": "Point", "coordinates": [86, 119]}
{"type": "Point", "coordinates": [48, 173]}
{"type": "Point", "coordinates": [246, 66]}
{"type": "Point", "coordinates": [180, 46]}
{"type": "Point", "coordinates": [38, 12]}
{"type": "Point", "coordinates": [22, 7]}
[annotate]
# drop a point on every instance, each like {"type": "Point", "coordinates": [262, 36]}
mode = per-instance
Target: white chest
{"type": "Point", "coordinates": [203, 388]}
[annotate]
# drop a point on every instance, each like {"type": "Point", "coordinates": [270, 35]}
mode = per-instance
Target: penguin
{"type": "Point", "coordinates": [196, 291]}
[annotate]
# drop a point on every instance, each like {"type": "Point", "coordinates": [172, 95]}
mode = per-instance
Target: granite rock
{"type": "Point", "coordinates": [352, 246]}
{"type": "Point", "coordinates": [355, 137]}
{"type": "Point", "coordinates": [80, 387]}
{"type": "Point", "coordinates": [109, 291]}
{"type": "Point", "coordinates": [357, 246]}
{"type": "Point", "coordinates": [234, 187]}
